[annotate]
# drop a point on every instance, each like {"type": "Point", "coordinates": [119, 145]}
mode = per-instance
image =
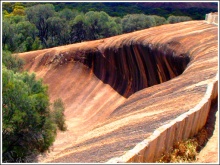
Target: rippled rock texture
{"type": "Point", "coordinates": [116, 90]}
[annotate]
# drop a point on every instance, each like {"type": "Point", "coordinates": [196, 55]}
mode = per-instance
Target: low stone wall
{"type": "Point", "coordinates": [183, 127]}
{"type": "Point", "coordinates": [212, 18]}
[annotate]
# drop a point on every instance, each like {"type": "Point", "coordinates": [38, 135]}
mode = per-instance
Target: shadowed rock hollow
{"type": "Point", "coordinates": [103, 83]}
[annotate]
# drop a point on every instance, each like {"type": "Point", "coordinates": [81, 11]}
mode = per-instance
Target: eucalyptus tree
{"type": "Point", "coordinates": [55, 28]}
{"type": "Point", "coordinates": [79, 29]}
{"type": "Point", "coordinates": [68, 14]}
{"type": "Point", "coordinates": [101, 25]}
{"type": "Point", "coordinates": [133, 22]}
{"type": "Point", "coordinates": [38, 15]}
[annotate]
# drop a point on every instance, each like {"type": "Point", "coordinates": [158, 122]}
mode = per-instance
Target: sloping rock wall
{"type": "Point", "coordinates": [132, 66]}
{"type": "Point", "coordinates": [109, 108]}
{"type": "Point", "coordinates": [181, 128]}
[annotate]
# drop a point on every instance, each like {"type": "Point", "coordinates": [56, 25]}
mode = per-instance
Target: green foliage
{"type": "Point", "coordinates": [18, 34]}
{"type": "Point", "coordinates": [37, 44]}
{"type": "Point", "coordinates": [12, 62]}
{"type": "Point", "coordinates": [55, 25]}
{"type": "Point", "coordinates": [38, 15]}
{"type": "Point", "coordinates": [27, 124]}
{"type": "Point", "coordinates": [68, 14]}
{"type": "Point", "coordinates": [14, 19]}
{"type": "Point", "coordinates": [26, 34]}
{"type": "Point", "coordinates": [133, 22]}
{"type": "Point", "coordinates": [7, 34]}
{"type": "Point", "coordinates": [101, 25]}
{"type": "Point", "coordinates": [159, 20]}
{"type": "Point", "coordinates": [78, 29]}
{"type": "Point", "coordinates": [58, 114]}
{"type": "Point", "coordinates": [120, 9]}
{"type": "Point", "coordinates": [18, 10]}
{"type": "Point", "coordinates": [7, 6]}
{"type": "Point", "coordinates": [33, 26]}
{"type": "Point", "coordinates": [176, 19]}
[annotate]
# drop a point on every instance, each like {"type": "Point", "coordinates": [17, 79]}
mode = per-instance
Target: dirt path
{"type": "Point", "coordinates": [209, 154]}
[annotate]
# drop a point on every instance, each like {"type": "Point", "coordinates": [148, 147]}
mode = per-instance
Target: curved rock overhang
{"type": "Point", "coordinates": [114, 110]}
{"type": "Point", "coordinates": [134, 66]}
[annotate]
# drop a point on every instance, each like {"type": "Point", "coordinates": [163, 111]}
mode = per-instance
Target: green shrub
{"type": "Point", "coordinates": [27, 125]}
{"type": "Point", "coordinates": [175, 19]}
{"type": "Point", "coordinates": [58, 114]}
{"type": "Point", "coordinates": [12, 62]}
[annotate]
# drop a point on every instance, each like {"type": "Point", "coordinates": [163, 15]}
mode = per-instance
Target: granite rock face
{"type": "Point", "coordinates": [212, 18]}
{"type": "Point", "coordinates": [116, 90]}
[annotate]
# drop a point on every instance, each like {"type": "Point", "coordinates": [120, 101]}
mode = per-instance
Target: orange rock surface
{"type": "Point", "coordinates": [116, 90]}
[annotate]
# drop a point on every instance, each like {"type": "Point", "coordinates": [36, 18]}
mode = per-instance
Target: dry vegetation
{"type": "Point", "coordinates": [187, 151]}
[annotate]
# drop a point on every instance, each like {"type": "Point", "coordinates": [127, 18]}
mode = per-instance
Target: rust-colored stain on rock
{"type": "Point", "coordinates": [116, 90]}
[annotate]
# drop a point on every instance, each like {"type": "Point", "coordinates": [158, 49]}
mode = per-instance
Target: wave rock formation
{"type": "Point", "coordinates": [116, 90]}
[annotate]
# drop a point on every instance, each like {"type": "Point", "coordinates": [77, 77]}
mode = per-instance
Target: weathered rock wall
{"type": "Point", "coordinates": [103, 84]}
{"type": "Point", "coordinates": [212, 18]}
{"type": "Point", "coordinates": [133, 66]}
{"type": "Point", "coordinates": [181, 128]}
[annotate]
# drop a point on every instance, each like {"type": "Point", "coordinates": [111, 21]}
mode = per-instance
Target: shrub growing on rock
{"type": "Point", "coordinates": [58, 114]}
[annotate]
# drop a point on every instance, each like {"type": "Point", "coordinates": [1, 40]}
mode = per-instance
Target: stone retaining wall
{"type": "Point", "coordinates": [183, 127]}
